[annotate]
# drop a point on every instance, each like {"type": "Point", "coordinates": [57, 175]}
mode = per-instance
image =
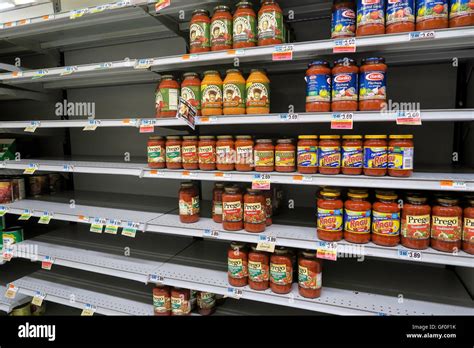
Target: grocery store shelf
{"type": "Point", "coordinates": [6, 304]}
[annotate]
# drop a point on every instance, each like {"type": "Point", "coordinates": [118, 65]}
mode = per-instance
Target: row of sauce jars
{"type": "Point", "coordinates": [261, 270]}
{"type": "Point", "coordinates": [380, 16]}
{"type": "Point", "coordinates": [241, 30]}
{"type": "Point", "coordinates": [177, 301]}
{"type": "Point", "coordinates": [390, 221]}
{"type": "Point", "coordinates": [346, 87]}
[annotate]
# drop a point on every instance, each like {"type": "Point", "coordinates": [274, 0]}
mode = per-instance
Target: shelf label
{"type": "Point", "coordinates": [147, 126]}
{"type": "Point", "coordinates": [7, 252]}
{"type": "Point", "coordinates": [155, 278]}
{"type": "Point", "coordinates": [106, 65]}
{"type": "Point", "coordinates": [239, 52]}
{"type": "Point", "coordinates": [26, 215]}
{"type": "Point", "coordinates": [17, 74]}
{"type": "Point", "coordinates": [261, 182]}
{"type": "Point", "coordinates": [131, 229]}
{"type": "Point", "coordinates": [133, 122]}
{"type": "Point", "coordinates": [421, 35]}
{"type": "Point", "coordinates": [143, 63]}
{"type": "Point", "coordinates": [48, 17]}
{"type": "Point", "coordinates": [409, 254]}
{"type": "Point", "coordinates": [97, 225]}
{"type": "Point", "coordinates": [342, 121]}
{"type": "Point", "coordinates": [3, 210]}
{"type": "Point", "coordinates": [304, 178]}
{"type": "Point", "coordinates": [88, 310]}
{"type": "Point", "coordinates": [47, 263]}
{"type": "Point", "coordinates": [453, 184]}
{"type": "Point", "coordinates": [326, 250]}
{"type": "Point", "coordinates": [234, 292]}
{"type": "Point", "coordinates": [112, 226]}
{"type": "Point", "coordinates": [69, 70]}
{"type": "Point", "coordinates": [205, 119]}
{"type": "Point", "coordinates": [345, 45]}
{"type": "Point", "coordinates": [190, 57]}
{"type": "Point", "coordinates": [24, 22]}
{"type": "Point", "coordinates": [155, 172]}
{"type": "Point", "coordinates": [288, 117]}
{"type": "Point", "coordinates": [31, 128]}
{"type": "Point", "coordinates": [266, 243]}
{"type": "Point", "coordinates": [210, 233]}
{"type": "Point", "coordinates": [120, 4]}
{"type": "Point", "coordinates": [187, 173]}
{"type": "Point", "coordinates": [161, 4]}
{"type": "Point", "coordinates": [223, 175]}
{"type": "Point", "coordinates": [11, 291]}
{"type": "Point", "coordinates": [9, 25]}
{"type": "Point", "coordinates": [39, 74]}
{"type": "Point", "coordinates": [45, 218]}
{"type": "Point", "coordinates": [92, 125]}
{"type": "Point", "coordinates": [100, 8]}
{"type": "Point", "coordinates": [283, 52]}
{"type": "Point", "coordinates": [68, 168]}
{"type": "Point", "coordinates": [38, 298]}
{"type": "Point", "coordinates": [31, 169]}
{"type": "Point", "coordinates": [82, 218]}
{"type": "Point", "coordinates": [78, 13]}
{"type": "Point", "coordinates": [409, 118]}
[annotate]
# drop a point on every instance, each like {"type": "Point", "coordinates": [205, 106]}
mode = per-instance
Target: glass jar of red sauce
{"type": "Point", "coordinates": [318, 87]}
{"type": "Point", "coordinates": [191, 90]}
{"type": "Point", "coordinates": [307, 154]}
{"type": "Point", "coordinates": [255, 212]}
{"type": "Point", "coordinates": [386, 219]}
{"type": "Point", "coordinates": [270, 24]}
{"type": "Point", "coordinates": [199, 32]}
{"type": "Point", "coordinates": [330, 218]}
{"type": "Point", "coordinates": [285, 156]}
{"type": "Point", "coordinates": [281, 271]}
{"type": "Point", "coordinates": [217, 193]}
{"type": "Point", "coordinates": [221, 29]}
{"type": "Point", "coordinates": [375, 155]}
{"type": "Point", "coordinates": [416, 220]}
{"type": "Point", "coordinates": [244, 153]}
{"type": "Point", "coordinates": [309, 275]}
{"type": "Point", "coordinates": [468, 228]}
{"type": "Point", "coordinates": [400, 155]}
{"type": "Point", "coordinates": [190, 152]}
{"type": "Point", "coordinates": [370, 17]}
{"type": "Point", "coordinates": [206, 302]}
{"type": "Point", "coordinates": [188, 203]}
{"type": "Point", "coordinates": [329, 154]}
{"type": "Point", "coordinates": [237, 264]}
{"type": "Point", "coordinates": [269, 207]}
{"type": "Point", "coordinates": [232, 209]}
{"type": "Point", "coordinates": [180, 301]}
{"type": "Point", "coordinates": [225, 153]}
{"type": "Point", "coordinates": [345, 85]}
{"type": "Point", "coordinates": [211, 94]}
{"type": "Point", "coordinates": [372, 84]}
{"type": "Point", "coordinates": [352, 155]}
{"type": "Point", "coordinates": [156, 149]}
{"type": "Point", "coordinates": [431, 14]}
{"type": "Point", "coordinates": [162, 301]}
{"type": "Point", "coordinates": [461, 13]}
{"type": "Point", "coordinates": [259, 269]}
{"type": "Point", "coordinates": [446, 225]}
{"type": "Point", "coordinates": [343, 19]}
{"type": "Point", "coordinates": [167, 97]}
{"type": "Point", "coordinates": [207, 152]}
{"type": "Point", "coordinates": [173, 152]}
{"type": "Point", "coordinates": [245, 25]}
{"type": "Point", "coordinates": [400, 16]}
{"type": "Point", "coordinates": [264, 153]}
{"type": "Point", "coordinates": [357, 216]}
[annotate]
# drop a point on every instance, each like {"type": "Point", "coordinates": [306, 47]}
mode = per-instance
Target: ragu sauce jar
{"type": "Point", "coordinates": [446, 225]}
{"type": "Point", "coordinates": [386, 219]}
{"type": "Point", "coordinates": [352, 155]}
{"type": "Point", "coordinates": [416, 222]}
{"type": "Point", "coordinates": [375, 155]}
{"type": "Point", "coordinates": [307, 156]}
{"type": "Point", "coordinates": [329, 154]}
{"type": "Point", "coordinates": [357, 217]}
{"type": "Point", "coordinates": [330, 215]}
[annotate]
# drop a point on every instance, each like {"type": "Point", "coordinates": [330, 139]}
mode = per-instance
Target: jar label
{"type": "Point", "coordinates": [206, 155]}
{"type": "Point", "coordinates": [270, 26]}
{"type": "Point", "coordinates": [206, 300]}
{"type": "Point", "coordinates": [375, 157]}
{"type": "Point", "coordinates": [330, 220]}
{"type": "Point", "coordinates": [372, 85]}
{"type": "Point", "coordinates": [264, 158]}
{"type": "Point", "coordinates": [468, 230]}
{"type": "Point", "coordinates": [192, 94]}
{"type": "Point", "coordinates": [308, 156]}
{"type": "Point", "coordinates": [225, 155]}
{"type": "Point", "coordinates": [280, 274]}
{"type": "Point", "coordinates": [370, 12]}
{"type": "Point", "coordinates": [446, 228]}
{"type": "Point", "coordinates": [180, 306]}
{"type": "Point", "coordinates": [357, 221]}
{"type": "Point", "coordinates": [343, 23]}
{"type": "Point", "coordinates": [416, 226]}
{"type": "Point", "coordinates": [173, 154]}
{"type": "Point", "coordinates": [461, 8]}
{"type": "Point", "coordinates": [345, 87]}
{"type": "Point", "coordinates": [217, 208]}
{"type": "Point", "coordinates": [352, 157]}
{"type": "Point", "coordinates": [237, 268]}
{"type": "Point", "coordinates": [431, 9]}
{"type": "Point", "coordinates": [221, 32]}
{"type": "Point", "coordinates": [400, 158]}
{"type": "Point", "coordinates": [318, 88]}
{"type": "Point", "coordinates": [167, 99]}
{"type": "Point", "coordinates": [155, 154]}
{"type": "Point", "coordinates": [244, 154]}
{"type": "Point", "coordinates": [234, 95]}
{"type": "Point", "coordinates": [254, 213]}
{"type": "Point", "coordinates": [189, 208]}
{"type": "Point", "coordinates": [400, 11]}
{"type": "Point", "coordinates": [258, 94]}
{"type": "Point", "coordinates": [258, 271]}
{"type": "Point", "coordinates": [232, 211]}
{"type": "Point", "coordinates": [161, 304]}
{"type": "Point", "coordinates": [387, 224]}
{"type": "Point", "coordinates": [211, 96]}
{"type": "Point", "coordinates": [190, 154]}
{"type": "Point", "coordinates": [285, 158]}
{"type": "Point", "coordinates": [199, 34]}
{"type": "Point", "coordinates": [329, 156]}
{"type": "Point", "coordinates": [245, 28]}
{"type": "Point", "coordinates": [308, 279]}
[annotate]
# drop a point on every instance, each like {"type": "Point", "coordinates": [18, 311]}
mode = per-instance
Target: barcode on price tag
{"type": "Point", "coordinates": [155, 278]}
{"type": "Point", "coordinates": [342, 121]}
{"type": "Point", "coordinates": [78, 13]}
{"type": "Point", "coordinates": [131, 229]}
{"type": "Point", "coordinates": [421, 35]}
{"type": "Point", "coordinates": [283, 52]}
{"type": "Point", "coordinates": [234, 292]}
{"type": "Point", "coordinates": [68, 168]}
{"type": "Point", "coordinates": [97, 225]}
{"type": "Point", "coordinates": [39, 74]}
{"type": "Point", "coordinates": [345, 45]}
{"type": "Point", "coordinates": [210, 234]}
{"type": "Point", "coordinates": [410, 254]}
{"type": "Point", "coordinates": [288, 117]}
{"type": "Point", "coordinates": [38, 298]}
{"type": "Point", "coordinates": [266, 243]}
{"type": "Point", "coordinates": [453, 184]}
{"type": "Point", "coordinates": [69, 70]}
{"type": "Point", "coordinates": [111, 229]}
{"type": "Point", "coordinates": [261, 182]}
{"type": "Point", "coordinates": [409, 118]}
{"type": "Point", "coordinates": [11, 291]}
{"type": "Point", "coordinates": [88, 310]}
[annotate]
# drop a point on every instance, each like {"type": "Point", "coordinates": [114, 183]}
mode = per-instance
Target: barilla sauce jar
{"type": "Point", "coordinates": [345, 85]}
{"type": "Point", "coordinates": [343, 19]}
{"type": "Point", "coordinates": [318, 86]}
{"type": "Point", "coordinates": [372, 84]}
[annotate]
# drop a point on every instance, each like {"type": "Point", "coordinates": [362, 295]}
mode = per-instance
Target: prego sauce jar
{"type": "Point", "coordinates": [318, 87]}
{"type": "Point", "coordinates": [173, 152]}
{"type": "Point", "coordinates": [329, 154]}
{"type": "Point", "coordinates": [232, 209]}
{"type": "Point", "coordinates": [188, 203]}
{"type": "Point", "coordinates": [400, 155]}
{"type": "Point", "coordinates": [281, 271]}
{"type": "Point", "coordinates": [446, 225]}
{"type": "Point", "coordinates": [167, 97]}
{"type": "Point", "coordinates": [357, 217]}
{"type": "Point", "coordinates": [180, 301]}
{"type": "Point", "coordinates": [237, 264]}
{"type": "Point", "coordinates": [330, 218]}
{"type": "Point", "coordinates": [244, 153]}
{"type": "Point", "coordinates": [285, 156]}
{"type": "Point", "coordinates": [258, 269]}
{"type": "Point", "coordinates": [270, 24]}
{"type": "Point", "coordinates": [162, 301]}
{"type": "Point", "coordinates": [416, 223]}
{"type": "Point", "coordinates": [245, 25]}
{"type": "Point", "coordinates": [199, 32]}
{"type": "Point", "coordinates": [468, 228]}
{"type": "Point", "coordinates": [386, 219]}
{"type": "Point", "coordinates": [217, 193]}
{"type": "Point", "coordinates": [211, 94]}
{"type": "Point", "coordinates": [221, 29]}
{"type": "Point", "coordinates": [156, 149]}
{"type": "Point", "coordinates": [191, 90]}
{"type": "Point", "coordinates": [206, 302]}
{"type": "Point", "coordinates": [375, 155]}
{"type": "Point", "coordinates": [345, 85]}
{"type": "Point", "coordinates": [372, 84]}
{"type": "Point", "coordinates": [352, 155]}
{"type": "Point", "coordinates": [207, 152]}
{"type": "Point", "coordinates": [234, 93]}
{"type": "Point", "coordinates": [225, 153]}
{"type": "Point", "coordinates": [307, 154]}
{"type": "Point", "coordinates": [190, 152]}
{"type": "Point", "coordinates": [309, 275]}
{"type": "Point", "coordinates": [264, 155]}
{"type": "Point", "coordinates": [255, 213]}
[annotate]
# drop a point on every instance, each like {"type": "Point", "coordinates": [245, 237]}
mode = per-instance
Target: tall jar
{"type": "Point", "coordinates": [190, 152]}
{"type": "Point", "coordinates": [307, 161]}
{"type": "Point", "coordinates": [386, 219]}
{"type": "Point", "coordinates": [207, 152]}
{"type": "Point", "coordinates": [264, 155]}
{"type": "Point", "coordinates": [258, 93]}
{"type": "Point", "coordinates": [156, 150]}
{"type": "Point", "coordinates": [162, 301]}
{"type": "Point", "coordinates": [370, 17]}
{"type": "Point", "coordinates": [375, 155]}
{"type": "Point", "coordinates": [167, 97]}
{"type": "Point", "coordinates": [318, 87]}
{"type": "Point", "coordinates": [211, 94]}
{"type": "Point", "coordinates": [281, 271]}
{"type": "Point", "coordinates": [173, 152]}
{"type": "Point", "coordinates": [352, 155]}
{"type": "Point", "coordinates": [416, 219]}
{"type": "Point", "coordinates": [237, 264]}
{"type": "Point", "coordinates": [309, 275]}
{"type": "Point", "coordinates": [431, 14]}
{"type": "Point", "coordinates": [330, 218]}
{"type": "Point", "coordinates": [461, 13]}
{"type": "Point", "coordinates": [180, 301]}
{"type": "Point", "coordinates": [468, 228]}
{"type": "Point", "coordinates": [188, 203]}
{"type": "Point", "coordinates": [270, 24]}
{"type": "Point", "coordinates": [357, 216]}
{"type": "Point", "coordinates": [245, 25]}
{"type": "Point", "coordinates": [232, 209]}
{"type": "Point", "coordinates": [400, 155]}
{"type": "Point", "coordinates": [221, 29]}
{"type": "Point", "coordinates": [329, 154]}
{"type": "Point", "coordinates": [225, 153]}
{"type": "Point", "coordinates": [234, 93]}
{"type": "Point", "coordinates": [259, 269]}
{"type": "Point", "coordinates": [372, 84]}
{"type": "Point", "coordinates": [217, 193]}
{"type": "Point", "coordinates": [446, 225]}
{"type": "Point", "coordinates": [345, 85]}
{"type": "Point", "coordinates": [400, 16]}
{"type": "Point", "coordinates": [255, 214]}
{"type": "Point", "coordinates": [199, 32]}
{"type": "Point", "coordinates": [285, 156]}
{"type": "Point", "coordinates": [244, 153]}
{"type": "Point", "coordinates": [191, 90]}
{"type": "Point", "coordinates": [343, 19]}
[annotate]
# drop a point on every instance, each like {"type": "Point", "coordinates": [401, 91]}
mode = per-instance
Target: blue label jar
{"type": "Point", "coordinates": [399, 11]}
{"type": "Point", "coordinates": [343, 22]}
{"type": "Point", "coordinates": [431, 9]}
{"type": "Point", "coordinates": [370, 12]}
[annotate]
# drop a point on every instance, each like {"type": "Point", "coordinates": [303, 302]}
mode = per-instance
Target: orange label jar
{"type": "Point", "coordinates": [357, 218]}
{"type": "Point", "coordinates": [386, 219]}
{"type": "Point", "coordinates": [416, 223]}
{"type": "Point", "coordinates": [372, 84]}
{"type": "Point", "coordinates": [191, 90]}
{"type": "Point", "coordinates": [217, 193]}
{"type": "Point", "coordinates": [309, 275]}
{"type": "Point", "coordinates": [431, 14]}
{"type": "Point", "coordinates": [400, 16]}
{"type": "Point", "coordinates": [329, 154]}
{"type": "Point", "coordinates": [162, 301]}
{"type": "Point", "coordinates": [221, 29]}
{"type": "Point", "coordinates": [244, 153]}
{"type": "Point", "coordinates": [245, 26]}
{"type": "Point", "coordinates": [234, 93]}
{"type": "Point", "coordinates": [446, 225]}
{"type": "Point", "coordinates": [173, 152]}
{"type": "Point", "coordinates": [237, 264]}
{"type": "Point", "coordinates": [167, 97]}
{"type": "Point", "coordinates": [264, 155]}
{"type": "Point", "coordinates": [352, 155]}
{"type": "Point", "coordinates": [225, 153]}
{"type": "Point", "coordinates": [259, 269]}
{"type": "Point", "coordinates": [461, 13]}
{"type": "Point", "coordinates": [345, 85]}
{"type": "Point", "coordinates": [318, 87]}
{"type": "Point", "coordinates": [468, 228]}
{"type": "Point", "coordinates": [258, 93]}
{"type": "Point", "coordinates": [307, 154]}
{"type": "Point", "coordinates": [269, 205]}
{"type": "Point", "coordinates": [270, 24]}
{"type": "Point", "coordinates": [370, 17]}
{"type": "Point", "coordinates": [400, 155]}
{"type": "Point", "coordinates": [211, 94]}
{"type": "Point", "coordinates": [199, 32]}
{"type": "Point", "coordinates": [330, 218]}
{"type": "Point", "coordinates": [285, 156]}
{"type": "Point", "coordinates": [190, 152]}
{"type": "Point", "coordinates": [188, 203]}
{"type": "Point", "coordinates": [254, 211]}
{"type": "Point", "coordinates": [180, 301]}
{"type": "Point", "coordinates": [156, 150]}
{"type": "Point", "coordinates": [375, 155]}
{"type": "Point", "coordinates": [281, 271]}
{"type": "Point", "coordinates": [232, 209]}
{"type": "Point", "coordinates": [207, 152]}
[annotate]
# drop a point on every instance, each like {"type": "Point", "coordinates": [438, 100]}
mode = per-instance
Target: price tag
{"type": "Point", "coordinates": [88, 310]}
{"type": "Point", "coordinates": [31, 128]}
{"type": "Point", "coordinates": [112, 226]}
{"type": "Point", "coordinates": [409, 118]}
{"type": "Point", "coordinates": [211, 234]}
{"type": "Point", "coordinates": [17, 74]}
{"type": "Point", "coordinates": [100, 8]}
{"type": "Point", "coordinates": [39, 74]}
{"type": "Point", "coordinates": [288, 117]}
{"type": "Point", "coordinates": [47, 263]}
{"type": "Point", "coordinates": [161, 4]}
{"type": "Point", "coordinates": [266, 243]}
{"type": "Point", "coordinates": [7, 252]}
{"type": "Point", "coordinates": [133, 122]}
{"type": "Point", "coordinates": [453, 184]}
{"type": "Point", "coordinates": [11, 291]}
{"type": "Point", "coordinates": [234, 292]}
{"type": "Point", "coordinates": [24, 22]}
{"type": "Point", "coordinates": [190, 57]}
{"type": "Point", "coordinates": [92, 125]}
{"type": "Point", "coordinates": [155, 172]}
{"type": "Point", "coordinates": [189, 174]}
{"type": "Point", "coordinates": [106, 65]}
{"type": "Point", "coordinates": [342, 121]}
{"type": "Point", "coordinates": [31, 169]}
{"type": "Point", "coordinates": [120, 4]}
{"type": "Point", "coordinates": [45, 218]}
{"type": "Point", "coordinates": [283, 52]}
{"type": "Point", "coordinates": [239, 52]}
{"type": "Point", "coordinates": [97, 225]}
{"type": "Point", "coordinates": [143, 63]}
{"type": "Point", "coordinates": [155, 278]}
{"type": "Point", "coordinates": [82, 218]}
{"type": "Point", "coordinates": [304, 178]}
{"type": "Point", "coordinates": [261, 182]}
{"type": "Point", "coordinates": [78, 13]}
{"type": "Point", "coordinates": [3, 210]}
{"type": "Point", "coordinates": [68, 168]}
{"type": "Point", "coordinates": [421, 35]}
{"type": "Point", "coordinates": [48, 17]}
{"type": "Point", "coordinates": [206, 119]}
{"type": "Point", "coordinates": [26, 215]}
{"type": "Point", "coordinates": [223, 175]}
{"type": "Point", "coordinates": [131, 229]}
{"type": "Point", "coordinates": [147, 126]}
{"type": "Point", "coordinates": [327, 251]}
{"type": "Point", "coordinates": [9, 25]}
{"type": "Point", "coordinates": [409, 254]}
{"type": "Point", "coordinates": [345, 45]}
{"type": "Point", "coordinates": [38, 298]}
{"type": "Point", "coordinates": [69, 70]}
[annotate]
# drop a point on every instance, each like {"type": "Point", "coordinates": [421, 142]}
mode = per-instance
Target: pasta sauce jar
{"type": "Point", "coordinates": [329, 154]}
{"type": "Point", "coordinates": [461, 13]}
{"type": "Point", "coordinates": [468, 228]}
{"type": "Point", "coordinates": [352, 155]}
{"type": "Point", "coordinates": [370, 17]}
{"type": "Point", "coordinates": [244, 153]}
{"type": "Point", "coordinates": [400, 16]}
{"type": "Point", "coordinates": [173, 152]}
{"type": "Point", "coordinates": [372, 84]}
{"type": "Point", "coordinates": [259, 269]}
{"type": "Point", "coordinates": [416, 219]}
{"type": "Point", "coordinates": [245, 25]}
{"type": "Point", "coordinates": [225, 153]}
{"type": "Point", "coordinates": [232, 209]}
{"type": "Point", "coordinates": [345, 85]}
{"type": "Point", "coordinates": [375, 155]}
{"type": "Point", "coordinates": [162, 301]}
{"type": "Point", "coordinates": [190, 152]}
{"type": "Point", "coordinates": [258, 93]}
{"type": "Point", "coordinates": [221, 29]}
{"type": "Point", "coordinates": [191, 90]}
{"type": "Point", "coordinates": [281, 271]}
{"type": "Point", "coordinates": [318, 87]}
{"type": "Point", "coordinates": [269, 206]}
{"type": "Point", "coordinates": [270, 24]}
{"type": "Point", "coordinates": [264, 155]}
{"type": "Point", "coordinates": [431, 14]}
{"type": "Point", "coordinates": [386, 219]}
{"type": "Point", "coordinates": [285, 153]}
{"type": "Point", "coordinates": [234, 93]}
{"type": "Point", "coordinates": [180, 301]}
{"type": "Point", "coordinates": [309, 275]}
{"type": "Point", "coordinates": [343, 19]}
{"type": "Point", "coordinates": [255, 213]}
{"type": "Point", "coordinates": [156, 149]}
{"type": "Point", "coordinates": [188, 203]}
{"type": "Point", "coordinates": [330, 208]}
{"type": "Point", "coordinates": [446, 225]}
{"type": "Point", "coordinates": [307, 154]}
{"type": "Point", "coordinates": [357, 217]}
{"type": "Point", "coordinates": [237, 264]}
{"type": "Point", "coordinates": [217, 193]}
{"type": "Point", "coordinates": [206, 302]}
{"type": "Point", "coordinates": [400, 155]}
{"type": "Point", "coordinates": [211, 94]}
{"type": "Point", "coordinates": [199, 32]}
{"type": "Point", "coordinates": [207, 152]}
{"type": "Point", "coordinates": [167, 97]}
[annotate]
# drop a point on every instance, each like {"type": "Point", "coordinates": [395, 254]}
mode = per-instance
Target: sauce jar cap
{"type": "Point", "coordinates": [389, 196]}
{"type": "Point", "coordinates": [243, 137]}
{"type": "Point", "coordinates": [373, 60]}
{"type": "Point", "coordinates": [233, 71]}
{"type": "Point", "coordinates": [308, 137]}
{"type": "Point", "coordinates": [244, 4]}
{"type": "Point", "coordinates": [375, 137]}
{"type": "Point", "coordinates": [211, 72]}
{"type": "Point", "coordinates": [225, 137]}
{"type": "Point", "coordinates": [308, 253]}
{"type": "Point", "coordinates": [263, 71]}
{"type": "Point", "coordinates": [190, 137]}
{"type": "Point", "coordinates": [173, 137]}
{"type": "Point", "coordinates": [401, 136]}
{"type": "Point", "coordinates": [358, 195]}
{"type": "Point", "coordinates": [190, 74]}
{"type": "Point", "coordinates": [237, 245]}
{"type": "Point", "coordinates": [344, 60]}
{"type": "Point", "coordinates": [330, 193]}
{"type": "Point", "coordinates": [319, 62]}
{"type": "Point", "coordinates": [201, 11]}
{"type": "Point", "coordinates": [349, 137]}
{"type": "Point", "coordinates": [357, 190]}
{"type": "Point", "coordinates": [448, 200]}
{"type": "Point", "coordinates": [207, 137]}
{"type": "Point", "coordinates": [416, 199]}
{"type": "Point", "coordinates": [254, 192]}
{"type": "Point", "coordinates": [222, 8]}
{"type": "Point", "coordinates": [281, 250]}
{"type": "Point", "coordinates": [187, 185]}
{"type": "Point", "coordinates": [232, 190]}
{"type": "Point", "coordinates": [285, 141]}
{"type": "Point", "coordinates": [156, 137]}
{"type": "Point", "coordinates": [219, 185]}
{"type": "Point", "coordinates": [264, 141]}
{"type": "Point", "coordinates": [327, 137]}
{"type": "Point", "coordinates": [167, 77]}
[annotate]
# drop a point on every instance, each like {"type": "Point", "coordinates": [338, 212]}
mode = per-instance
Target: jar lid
{"type": "Point", "coordinates": [308, 137]}
{"type": "Point", "coordinates": [401, 136]}
{"type": "Point", "coordinates": [211, 72]}
{"type": "Point", "coordinates": [219, 185]}
{"type": "Point", "coordinates": [222, 8]}
{"type": "Point", "coordinates": [349, 137]}
{"type": "Point", "coordinates": [201, 11]}
{"type": "Point", "coordinates": [375, 137]}
{"type": "Point", "coordinates": [281, 250]}
{"type": "Point", "coordinates": [237, 245]}
{"type": "Point", "coordinates": [254, 192]}
{"type": "Point", "coordinates": [225, 137]}
{"type": "Point", "coordinates": [244, 3]}
{"type": "Point", "coordinates": [326, 137]}
{"type": "Point", "coordinates": [330, 193]}
{"type": "Point", "coordinates": [187, 184]}
{"type": "Point", "coordinates": [264, 141]}
{"type": "Point", "coordinates": [190, 74]}
{"type": "Point", "coordinates": [344, 61]}
{"type": "Point", "coordinates": [448, 200]}
{"type": "Point", "coordinates": [308, 253]}
{"type": "Point", "coordinates": [319, 62]}
{"type": "Point", "coordinates": [190, 137]}
{"type": "Point", "coordinates": [357, 190]}
{"type": "Point", "coordinates": [243, 137]}
{"type": "Point", "coordinates": [173, 137]}
{"type": "Point", "coordinates": [207, 137]}
{"type": "Point", "coordinates": [155, 137]}
{"type": "Point", "coordinates": [263, 71]}
{"type": "Point", "coordinates": [416, 199]}
{"type": "Point", "coordinates": [232, 190]}
{"type": "Point", "coordinates": [167, 77]}
{"type": "Point", "coordinates": [373, 60]}
{"type": "Point", "coordinates": [358, 195]}
{"type": "Point", "coordinates": [389, 196]}
{"type": "Point", "coordinates": [285, 141]}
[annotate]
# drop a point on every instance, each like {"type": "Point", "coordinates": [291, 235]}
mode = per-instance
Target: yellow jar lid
{"type": "Point", "coordinates": [306, 137]}
{"type": "Point", "coordinates": [375, 137]}
{"type": "Point", "coordinates": [386, 196]}
{"type": "Point", "coordinates": [330, 137]}
{"type": "Point", "coordinates": [352, 137]}
{"type": "Point", "coordinates": [330, 193]}
{"type": "Point", "coordinates": [358, 195]}
{"type": "Point", "coordinates": [401, 136]}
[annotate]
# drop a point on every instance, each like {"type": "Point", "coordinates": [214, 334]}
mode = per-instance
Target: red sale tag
{"type": "Point", "coordinates": [342, 121]}
{"type": "Point", "coordinates": [284, 52]}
